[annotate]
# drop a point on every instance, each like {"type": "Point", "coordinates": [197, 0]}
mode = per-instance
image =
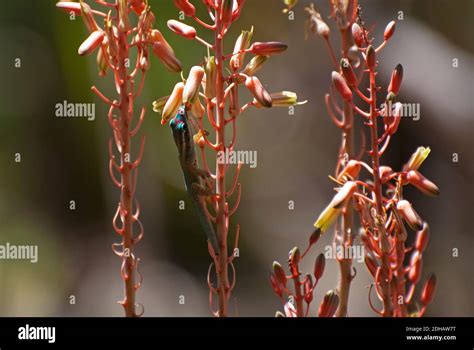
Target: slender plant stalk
{"type": "Point", "coordinates": [223, 286]}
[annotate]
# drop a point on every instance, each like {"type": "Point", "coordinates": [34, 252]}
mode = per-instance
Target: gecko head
{"type": "Point", "coordinates": [179, 122]}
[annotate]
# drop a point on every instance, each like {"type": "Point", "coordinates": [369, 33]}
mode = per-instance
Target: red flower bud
{"type": "Point", "coordinates": [396, 80]}
{"type": "Point", "coordinates": [429, 290]}
{"type": "Point", "coordinates": [370, 57]}
{"type": "Point", "coordinates": [389, 30]}
{"type": "Point", "coordinates": [341, 86]}
{"type": "Point", "coordinates": [319, 266]}
{"type": "Point", "coordinates": [91, 43]}
{"type": "Point", "coordinates": [357, 34]}
{"type": "Point", "coordinates": [185, 6]}
{"type": "Point", "coordinates": [351, 170]}
{"type": "Point", "coordinates": [227, 11]}
{"type": "Point", "coordinates": [314, 236]}
{"type": "Point", "coordinates": [258, 91]}
{"type": "Point", "coordinates": [393, 117]}
{"type": "Point", "coordinates": [308, 289]}
{"type": "Point", "coordinates": [279, 273]}
{"type": "Point", "coordinates": [416, 263]}
{"type": "Point", "coordinates": [138, 6]}
{"type": "Point", "coordinates": [275, 285]}
{"type": "Point", "coordinates": [410, 215]}
{"type": "Point", "coordinates": [294, 257]}
{"type": "Point", "coordinates": [348, 72]}
{"type": "Point", "coordinates": [371, 264]}
{"type": "Point", "coordinates": [329, 304]}
{"type": "Point", "coordinates": [166, 55]}
{"type": "Point", "coordinates": [422, 183]}
{"type": "Point", "coordinates": [182, 29]}
{"type": "Point", "coordinates": [422, 238]}
{"type": "Point", "coordinates": [267, 48]}
{"type": "Point", "coordinates": [385, 172]}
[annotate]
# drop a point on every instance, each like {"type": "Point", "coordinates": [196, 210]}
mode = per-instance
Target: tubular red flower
{"type": "Point", "coordinates": [357, 34]}
{"type": "Point", "coordinates": [182, 29]}
{"type": "Point", "coordinates": [329, 304]}
{"type": "Point", "coordinates": [279, 273]}
{"type": "Point", "coordinates": [258, 91]}
{"type": "Point", "coordinates": [185, 6]}
{"type": "Point", "coordinates": [422, 183]}
{"type": "Point", "coordinates": [319, 265]}
{"type": "Point", "coordinates": [429, 290]}
{"type": "Point", "coordinates": [268, 48]}
{"type": "Point", "coordinates": [410, 215]}
{"type": "Point", "coordinates": [396, 79]}
{"type": "Point", "coordinates": [422, 238]}
{"type": "Point", "coordinates": [370, 57]}
{"type": "Point", "coordinates": [341, 86]}
{"type": "Point", "coordinates": [389, 30]}
{"type": "Point", "coordinates": [348, 72]}
{"type": "Point", "coordinates": [91, 43]}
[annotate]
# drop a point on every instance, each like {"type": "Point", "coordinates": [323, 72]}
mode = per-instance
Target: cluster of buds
{"type": "Point", "coordinates": [385, 215]}
{"type": "Point", "coordinates": [208, 91]}
{"type": "Point", "coordinates": [297, 299]}
{"type": "Point", "coordinates": [113, 39]}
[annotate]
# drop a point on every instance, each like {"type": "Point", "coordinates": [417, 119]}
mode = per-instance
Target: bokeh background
{"type": "Point", "coordinates": [65, 159]}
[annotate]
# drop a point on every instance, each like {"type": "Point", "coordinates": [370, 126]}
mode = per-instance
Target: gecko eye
{"type": "Point", "coordinates": [181, 111]}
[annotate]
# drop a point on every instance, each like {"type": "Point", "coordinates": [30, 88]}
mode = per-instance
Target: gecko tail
{"type": "Point", "coordinates": [209, 230]}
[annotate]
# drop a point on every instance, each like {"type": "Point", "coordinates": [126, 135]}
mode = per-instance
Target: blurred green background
{"type": "Point", "coordinates": [64, 159]}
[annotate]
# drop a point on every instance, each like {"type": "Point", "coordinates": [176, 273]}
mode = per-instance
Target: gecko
{"type": "Point", "coordinates": [193, 175]}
